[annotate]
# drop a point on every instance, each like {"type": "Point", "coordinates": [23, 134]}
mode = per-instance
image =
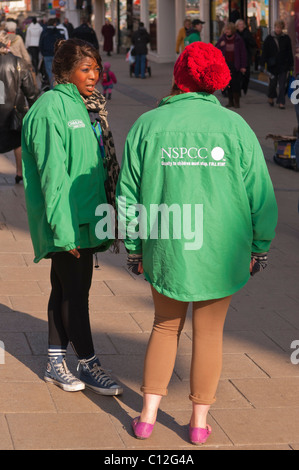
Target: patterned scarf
{"type": "Point", "coordinates": [96, 107]}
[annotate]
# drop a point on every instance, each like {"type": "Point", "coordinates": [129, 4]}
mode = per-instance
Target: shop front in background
{"type": "Point", "coordinates": [258, 16]}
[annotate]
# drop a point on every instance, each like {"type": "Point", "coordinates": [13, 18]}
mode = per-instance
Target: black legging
{"type": "Point", "coordinates": [235, 83]}
{"type": "Point", "coordinates": [279, 79]}
{"type": "Point", "coordinates": [68, 310]}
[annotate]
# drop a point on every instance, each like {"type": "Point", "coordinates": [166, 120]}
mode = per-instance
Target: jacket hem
{"type": "Point", "coordinates": [196, 297]}
{"type": "Point", "coordinates": [96, 248]}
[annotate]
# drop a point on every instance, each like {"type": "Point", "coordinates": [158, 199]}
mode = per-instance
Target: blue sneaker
{"type": "Point", "coordinates": [58, 373]}
{"type": "Point", "coordinates": [95, 378]}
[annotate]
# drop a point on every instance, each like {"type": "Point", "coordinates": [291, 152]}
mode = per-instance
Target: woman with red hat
{"type": "Point", "coordinates": [196, 172]}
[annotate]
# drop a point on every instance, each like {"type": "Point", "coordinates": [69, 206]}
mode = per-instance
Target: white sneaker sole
{"type": "Point", "coordinates": [104, 391]}
{"type": "Point", "coordinates": [66, 387]}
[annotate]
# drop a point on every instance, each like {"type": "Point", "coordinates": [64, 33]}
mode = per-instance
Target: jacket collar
{"type": "Point", "coordinates": [274, 35]}
{"type": "Point", "coordinates": [68, 89]}
{"type": "Point", "coordinates": [189, 96]}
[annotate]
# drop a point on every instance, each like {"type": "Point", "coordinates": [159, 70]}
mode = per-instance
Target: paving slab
{"type": "Point", "coordinates": [22, 368]}
{"type": "Point", "coordinates": [24, 273]}
{"type": "Point", "coordinates": [35, 398]}
{"type": "Point", "coordinates": [11, 261]}
{"type": "Point", "coordinates": [281, 392]}
{"type": "Point", "coordinates": [260, 426]}
{"type": "Point", "coordinates": [278, 365]}
{"type": "Point", "coordinates": [60, 431]}
{"type": "Point", "coordinates": [5, 441]}
{"type": "Point", "coordinates": [24, 287]}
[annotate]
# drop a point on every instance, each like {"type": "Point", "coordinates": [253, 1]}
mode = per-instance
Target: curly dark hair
{"type": "Point", "coordinates": [68, 55]}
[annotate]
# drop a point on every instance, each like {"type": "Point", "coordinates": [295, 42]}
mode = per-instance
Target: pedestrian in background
{"type": "Point", "coordinates": [86, 33]}
{"type": "Point", "coordinates": [33, 35]}
{"type": "Point", "coordinates": [19, 30]}
{"type": "Point", "coordinates": [235, 14]}
{"type": "Point", "coordinates": [108, 80]}
{"type": "Point", "coordinates": [65, 180]}
{"type": "Point", "coordinates": [180, 45]}
{"type": "Point", "coordinates": [69, 26]}
{"type": "Point", "coordinates": [108, 33]}
{"type": "Point", "coordinates": [62, 28]}
{"type": "Point", "coordinates": [18, 87]}
{"type": "Point", "coordinates": [17, 46]}
{"type": "Point", "coordinates": [237, 224]}
{"type": "Point", "coordinates": [43, 22]}
{"type": "Point", "coordinates": [140, 40]}
{"type": "Point", "coordinates": [250, 45]}
{"type": "Point", "coordinates": [47, 42]}
{"type": "Point", "coordinates": [278, 55]}
{"type": "Point", "coordinates": [233, 48]}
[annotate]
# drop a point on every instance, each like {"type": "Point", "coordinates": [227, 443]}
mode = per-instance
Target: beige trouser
{"type": "Point", "coordinates": [207, 324]}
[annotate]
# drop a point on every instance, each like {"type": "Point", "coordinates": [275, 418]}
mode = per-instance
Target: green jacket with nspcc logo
{"type": "Point", "coordinates": [204, 197]}
{"type": "Point", "coordinates": [63, 173]}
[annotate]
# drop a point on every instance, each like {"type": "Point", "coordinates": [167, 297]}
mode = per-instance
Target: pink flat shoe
{"type": "Point", "coordinates": [199, 436]}
{"type": "Point", "coordinates": [142, 430]}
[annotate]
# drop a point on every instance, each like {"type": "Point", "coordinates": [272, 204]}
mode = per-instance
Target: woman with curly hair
{"type": "Point", "coordinates": [199, 170]}
{"type": "Point", "coordinates": [66, 146]}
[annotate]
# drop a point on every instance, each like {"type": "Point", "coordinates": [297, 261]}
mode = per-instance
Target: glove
{"type": "Point", "coordinates": [261, 262]}
{"type": "Point", "coordinates": [133, 261]}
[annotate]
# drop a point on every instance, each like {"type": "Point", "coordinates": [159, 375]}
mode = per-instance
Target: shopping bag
{"type": "Point", "coordinates": [129, 56]}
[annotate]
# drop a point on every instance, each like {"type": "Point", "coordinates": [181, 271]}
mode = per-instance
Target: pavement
{"type": "Point", "coordinates": [257, 404]}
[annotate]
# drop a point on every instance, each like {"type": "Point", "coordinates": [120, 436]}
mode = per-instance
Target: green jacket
{"type": "Point", "coordinates": [63, 173]}
{"type": "Point", "coordinates": [205, 164]}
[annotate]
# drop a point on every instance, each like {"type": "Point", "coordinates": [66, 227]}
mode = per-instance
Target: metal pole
{"type": "Point", "coordinates": [118, 27]}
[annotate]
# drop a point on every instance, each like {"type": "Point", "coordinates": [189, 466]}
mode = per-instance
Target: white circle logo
{"type": "Point", "coordinates": [217, 153]}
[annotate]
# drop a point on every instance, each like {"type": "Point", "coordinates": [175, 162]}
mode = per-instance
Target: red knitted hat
{"type": "Point", "coordinates": [201, 67]}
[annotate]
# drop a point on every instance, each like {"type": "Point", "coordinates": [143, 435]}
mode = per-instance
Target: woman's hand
{"type": "Point", "coordinates": [75, 252]}
{"type": "Point", "coordinates": [134, 263]}
{"type": "Point", "coordinates": [252, 263]}
{"type": "Point", "coordinates": [140, 268]}
{"type": "Point", "coordinates": [259, 262]}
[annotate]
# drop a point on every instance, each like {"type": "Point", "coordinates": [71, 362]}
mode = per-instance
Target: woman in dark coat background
{"type": "Point", "coordinates": [233, 48]}
{"type": "Point", "coordinates": [250, 45]}
{"type": "Point", "coordinates": [17, 83]}
{"type": "Point", "coordinates": [278, 55]}
{"type": "Point", "coordinates": [108, 32]}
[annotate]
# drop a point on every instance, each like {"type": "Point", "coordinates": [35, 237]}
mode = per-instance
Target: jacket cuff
{"type": "Point", "coordinates": [134, 252]}
{"type": "Point", "coordinates": [71, 246]}
{"type": "Point", "coordinates": [68, 247]}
